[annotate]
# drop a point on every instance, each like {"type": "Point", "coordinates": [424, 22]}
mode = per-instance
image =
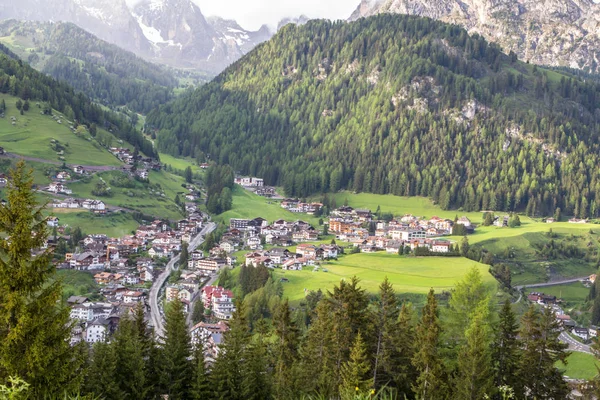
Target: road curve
{"type": "Point", "coordinates": [574, 345]}
{"type": "Point", "coordinates": [156, 317]}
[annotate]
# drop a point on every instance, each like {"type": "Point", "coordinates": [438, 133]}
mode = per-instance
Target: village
{"type": "Point", "coordinates": [125, 268]}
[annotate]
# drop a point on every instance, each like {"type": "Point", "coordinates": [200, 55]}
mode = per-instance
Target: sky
{"type": "Point", "coordinates": [251, 14]}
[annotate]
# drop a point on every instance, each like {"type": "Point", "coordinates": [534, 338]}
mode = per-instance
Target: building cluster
{"type": "Point", "coordinates": [305, 255]}
{"type": "Point", "coordinates": [158, 239]}
{"type": "Point", "coordinates": [297, 206]}
{"type": "Point", "coordinates": [95, 321]}
{"type": "Point", "coordinates": [249, 182]}
{"type": "Point", "coordinates": [211, 335]}
{"type": "Point", "coordinates": [358, 227]}
{"type": "Point", "coordinates": [128, 157]}
{"type": "Point", "coordinates": [185, 289]}
{"type": "Point", "coordinates": [97, 206]}
{"type": "Point", "coordinates": [563, 318]}
{"type": "Point", "coordinates": [219, 301]}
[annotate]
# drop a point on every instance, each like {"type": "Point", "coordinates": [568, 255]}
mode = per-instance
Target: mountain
{"type": "Point", "coordinates": [104, 72]}
{"type": "Point", "coordinates": [18, 79]}
{"type": "Point", "coordinates": [301, 20]}
{"type": "Point", "coordinates": [110, 20]}
{"type": "Point", "coordinates": [182, 36]}
{"type": "Point", "coordinates": [173, 32]}
{"type": "Point", "coordinates": [397, 104]}
{"type": "Point", "coordinates": [546, 32]}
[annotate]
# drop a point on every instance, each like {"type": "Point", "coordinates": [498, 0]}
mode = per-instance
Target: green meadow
{"type": "Point", "coordinates": [32, 133]}
{"type": "Point", "coordinates": [248, 205]}
{"type": "Point", "coordinates": [415, 275]}
{"type": "Point", "coordinates": [77, 283]}
{"type": "Point", "coordinates": [580, 366]}
{"type": "Point", "coordinates": [113, 225]}
{"type": "Point", "coordinates": [156, 198]}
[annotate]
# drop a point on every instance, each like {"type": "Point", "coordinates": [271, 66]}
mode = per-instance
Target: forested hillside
{"type": "Point", "coordinates": [104, 72]}
{"type": "Point", "coordinates": [397, 104]}
{"type": "Point", "coordinates": [19, 79]}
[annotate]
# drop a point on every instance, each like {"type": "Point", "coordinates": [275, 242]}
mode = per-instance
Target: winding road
{"type": "Point", "coordinates": [155, 315]}
{"type": "Point", "coordinates": [574, 345]}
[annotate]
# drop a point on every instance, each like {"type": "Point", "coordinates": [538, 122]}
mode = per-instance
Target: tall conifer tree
{"type": "Point", "coordinates": [356, 372]}
{"type": "Point", "coordinates": [34, 324]}
{"type": "Point", "coordinates": [431, 382]}
{"type": "Point", "coordinates": [505, 351]}
{"type": "Point", "coordinates": [175, 365]}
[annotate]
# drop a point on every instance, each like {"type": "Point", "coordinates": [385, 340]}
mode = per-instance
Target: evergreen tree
{"type": "Point", "coordinates": [469, 295]}
{"type": "Point", "coordinates": [385, 322]}
{"type": "Point", "coordinates": [184, 256]}
{"type": "Point", "coordinates": [227, 375]}
{"type": "Point", "coordinates": [256, 383]}
{"type": "Point", "coordinates": [398, 364]}
{"type": "Point", "coordinates": [317, 353]}
{"type": "Point", "coordinates": [130, 372]}
{"type": "Point", "coordinates": [431, 382]}
{"type": "Point", "coordinates": [188, 174]}
{"type": "Point", "coordinates": [198, 312]}
{"type": "Point", "coordinates": [285, 352]}
{"type": "Point", "coordinates": [356, 372]}
{"type": "Point", "coordinates": [506, 352]}
{"type": "Point", "coordinates": [34, 325]}
{"type": "Point", "coordinates": [539, 378]}
{"type": "Point", "coordinates": [474, 378]}
{"type": "Point", "coordinates": [200, 384]}
{"type": "Point", "coordinates": [176, 368]}
{"type": "Point", "coordinates": [464, 246]}
{"type": "Point", "coordinates": [101, 379]}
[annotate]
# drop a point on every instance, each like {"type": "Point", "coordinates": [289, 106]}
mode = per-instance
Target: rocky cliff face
{"type": "Point", "coordinates": [548, 32]}
{"type": "Point", "coordinates": [172, 32]}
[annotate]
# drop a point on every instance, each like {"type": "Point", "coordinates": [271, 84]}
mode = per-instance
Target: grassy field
{"type": "Point", "coordinates": [248, 205]}
{"type": "Point", "coordinates": [408, 274]}
{"type": "Point", "coordinates": [143, 197]}
{"type": "Point", "coordinates": [517, 248]}
{"type": "Point", "coordinates": [113, 225]}
{"type": "Point", "coordinates": [79, 283]}
{"type": "Point", "coordinates": [580, 366]}
{"type": "Point", "coordinates": [31, 136]}
{"type": "Point", "coordinates": [179, 163]}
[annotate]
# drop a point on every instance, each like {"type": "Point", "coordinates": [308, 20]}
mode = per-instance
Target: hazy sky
{"type": "Point", "coordinates": [251, 14]}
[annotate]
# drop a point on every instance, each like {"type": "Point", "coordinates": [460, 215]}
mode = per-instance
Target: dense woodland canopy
{"type": "Point", "coordinates": [397, 104]}
{"type": "Point", "coordinates": [102, 71]}
{"type": "Point", "coordinates": [20, 80]}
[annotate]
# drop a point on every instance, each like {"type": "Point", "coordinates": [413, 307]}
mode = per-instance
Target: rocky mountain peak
{"type": "Point", "coordinates": [548, 32]}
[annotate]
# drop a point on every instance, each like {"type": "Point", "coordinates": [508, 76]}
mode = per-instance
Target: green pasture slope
{"type": "Point", "coordinates": [113, 225]}
{"type": "Point", "coordinates": [409, 275]}
{"type": "Point", "coordinates": [142, 197]}
{"type": "Point", "coordinates": [32, 133]}
{"type": "Point", "coordinates": [580, 366]}
{"type": "Point", "coordinates": [249, 205]}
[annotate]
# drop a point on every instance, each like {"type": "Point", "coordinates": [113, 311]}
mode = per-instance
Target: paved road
{"type": "Point", "coordinates": [155, 315]}
{"type": "Point", "coordinates": [210, 281]}
{"type": "Point", "coordinates": [574, 345]}
{"type": "Point", "coordinates": [553, 283]}
{"type": "Point", "coordinates": [95, 168]}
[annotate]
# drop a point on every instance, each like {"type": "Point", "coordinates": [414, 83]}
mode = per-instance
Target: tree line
{"type": "Point", "coordinates": [396, 104]}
